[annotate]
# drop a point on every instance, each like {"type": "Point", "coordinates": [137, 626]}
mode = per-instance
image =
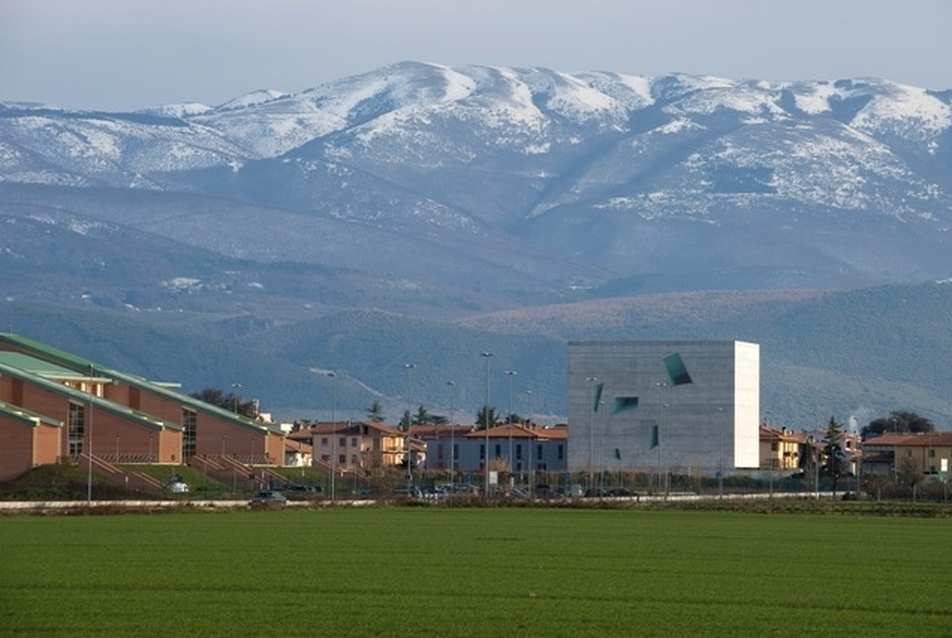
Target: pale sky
{"type": "Point", "coordinates": [129, 54]}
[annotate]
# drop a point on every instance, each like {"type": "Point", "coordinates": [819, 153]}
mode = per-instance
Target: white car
{"type": "Point", "coordinates": [178, 487]}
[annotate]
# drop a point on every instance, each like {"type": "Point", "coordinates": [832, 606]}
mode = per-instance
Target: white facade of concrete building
{"type": "Point", "coordinates": [631, 406]}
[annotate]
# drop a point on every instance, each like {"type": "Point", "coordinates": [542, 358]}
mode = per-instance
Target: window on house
{"type": "Point", "coordinates": [342, 442]}
{"type": "Point", "coordinates": [353, 441]}
{"type": "Point", "coordinates": [518, 451]}
{"type": "Point", "coordinates": [561, 451]}
{"type": "Point", "coordinates": [482, 451]}
{"type": "Point", "coordinates": [932, 453]}
{"type": "Point", "coordinates": [323, 441]}
{"type": "Point", "coordinates": [774, 446]}
{"type": "Point", "coordinates": [342, 459]}
{"type": "Point", "coordinates": [455, 451]}
{"type": "Point", "coordinates": [498, 450]}
{"type": "Point", "coordinates": [539, 452]}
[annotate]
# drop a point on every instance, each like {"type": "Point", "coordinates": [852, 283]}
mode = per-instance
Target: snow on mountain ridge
{"type": "Point", "coordinates": [433, 113]}
{"type": "Point", "coordinates": [254, 98]}
{"type": "Point", "coordinates": [905, 111]}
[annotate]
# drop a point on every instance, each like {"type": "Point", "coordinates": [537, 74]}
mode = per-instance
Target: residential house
{"type": "Point", "coordinates": [924, 453]}
{"type": "Point", "coordinates": [780, 449]}
{"type": "Point", "coordinates": [515, 448]}
{"type": "Point", "coordinates": [352, 445]}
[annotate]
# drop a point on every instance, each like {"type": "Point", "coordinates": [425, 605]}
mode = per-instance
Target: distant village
{"type": "Point", "coordinates": [667, 414]}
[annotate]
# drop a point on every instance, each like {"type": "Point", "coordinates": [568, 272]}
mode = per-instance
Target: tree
{"type": "Point", "coordinates": [375, 412]}
{"type": "Point", "coordinates": [231, 402]}
{"type": "Point", "coordinates": [898, 421]}
{"type": "Point", "coordinates": [909, 474]}
{"type": "Point", "coordinates": [423, 417]}
{"type": "Point", "coordinates": [487, 414]}
{"type": "Point", "coordinates": [835, 460]}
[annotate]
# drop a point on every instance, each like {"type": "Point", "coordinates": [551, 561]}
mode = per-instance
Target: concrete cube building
{"type": "Point", "coordinates": [678, 406]}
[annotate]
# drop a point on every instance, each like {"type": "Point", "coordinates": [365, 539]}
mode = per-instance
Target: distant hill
{"type": "Point", "coordinates": [856, 353]}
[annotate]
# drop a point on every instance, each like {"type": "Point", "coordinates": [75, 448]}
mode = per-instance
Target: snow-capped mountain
{"type": "Point", "coordinates": [567, 181]}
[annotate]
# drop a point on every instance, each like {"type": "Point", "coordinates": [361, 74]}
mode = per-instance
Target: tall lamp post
{"type": "Point", "coordinates": [235, 387]}
{"type": "Point", "coordinates": [452, 386]}
{"type": "Point", "coordinates": [531, 439]}
{"type": "Point", "coordinates": [512, 375]}
{"type": "Point", "coordinates": [89, 468]}
{"type": "Point", "coordinates": [409, 454]}
{"type": "Point", "coordinates": [591, 435]}
{"type": "Point", "coordinates": [720, 473]}
{"type": "Point", "coordinates": [333, 377]}
{"type": "Point", "coordinates": [662, 471]}
{"type": "Point", "coordinates": [488, 357]}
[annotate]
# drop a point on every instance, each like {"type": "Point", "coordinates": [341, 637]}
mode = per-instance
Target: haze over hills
{"type": "Point", "coordinates": [425, 213]}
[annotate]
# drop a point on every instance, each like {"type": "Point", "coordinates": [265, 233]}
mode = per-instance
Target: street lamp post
{"type": "Point", "coordinates": [488, 357]}
{"type": "Point", "coordinates": [452, 386]}
{"type": "Point", "coordinates": [720, 473]}
{"type": "Point", "coordinates": [333, 377]}
{"type": "Point", "coordinates": [409, 454]}
{"type": "Point", "coordinates": [89, 469]}
{"type": "Point", "coordinates": [662, 471]}
{"type": "Point", "coordinates": [531, 439]}
{"type": "Point", "coordinates": [591, 435]}
{"type": "Point", "coordinates": [235, 387]}
{"type": "Point", "coordinates": [512, 375]}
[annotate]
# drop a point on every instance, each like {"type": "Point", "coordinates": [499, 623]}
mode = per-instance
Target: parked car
{"type": "Point", "coordinates": [268, 499]}
{"type": "Point", "coordinates": [518, 493]}
{"type": "Point", "coordinates": [572, 491]}
{"type": "Point", "coordinates": [177, 485]}
{"type": "Point", "coordinates": [411, 492]}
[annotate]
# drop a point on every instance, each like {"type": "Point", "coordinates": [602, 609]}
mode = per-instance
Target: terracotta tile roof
{"type": "Point", "coordinates": [521, 432]}
{"type": "Point", "coordinates": [349, 428]}
{"type": "Point", "coordinates": [293, 445]}
{"type": "Point", "coordinates": [905, 439]}
{"type": "Point", "coordinates": [768, 433]}
{"type": "Point", "coordinates": [440, 431]}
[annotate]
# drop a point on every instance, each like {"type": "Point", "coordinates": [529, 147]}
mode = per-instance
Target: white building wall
{"type": "Point", "coordinates": [707, 424]}
{"type": "Point", "coordinates": [746, 441]}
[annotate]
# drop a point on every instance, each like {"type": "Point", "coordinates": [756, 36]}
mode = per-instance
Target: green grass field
{"type": "Point", "coordinates": [474, 572]}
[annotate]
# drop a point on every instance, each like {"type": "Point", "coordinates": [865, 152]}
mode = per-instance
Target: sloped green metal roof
{"type": "Point", "coordinates": [84, 397]}
{"type": "Point", "coordinates": [28, 416]}
{"type": "Point", "coordinates": [76, 366]}
{"type": "Point", "coordinates": [39, 367]}
{"type": "Point", "coordinates": [51, 353]}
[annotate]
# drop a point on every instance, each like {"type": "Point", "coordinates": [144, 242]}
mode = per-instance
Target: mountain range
{"type": "Point", "coordinates": [422, 213]}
